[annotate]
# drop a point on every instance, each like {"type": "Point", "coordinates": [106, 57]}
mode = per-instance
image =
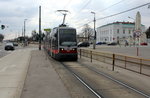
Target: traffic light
{"type": "Point", "coordinates": [2, 27]}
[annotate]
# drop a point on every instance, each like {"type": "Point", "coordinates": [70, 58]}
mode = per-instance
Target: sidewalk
{"type": "Point", "coordinates": [42, 80]}
{"type": "Point", "coordinates": [25, 73]}
{"type": "Point", "coordinates": [13, 69]}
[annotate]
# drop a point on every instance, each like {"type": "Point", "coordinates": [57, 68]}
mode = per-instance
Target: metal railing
{"type": "Point", "coordinates": [135, 64]}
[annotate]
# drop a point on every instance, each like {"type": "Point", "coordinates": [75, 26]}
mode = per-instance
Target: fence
{"type": "Point", "coordinates": [134, 64]}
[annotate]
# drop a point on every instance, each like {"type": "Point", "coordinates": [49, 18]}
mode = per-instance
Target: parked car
{"type": "Point", "coordinates": [104, 43]}
{"type": "Point", "coordinates": [9, 46]}
{"type": "Point", "coordinates": [144, 43]}
{"type": "Point", "coordinates": [83, 44]}
{"type": "Point", "coordinates": [113, 43]}
{"type": "Point", "coordinates": [15, 44]}
{"type": "Point", "coordinates": [99, 43]}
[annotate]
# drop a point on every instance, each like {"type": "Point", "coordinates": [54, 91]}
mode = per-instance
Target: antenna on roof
{"type": "Point", "coordinates": [64, 12]}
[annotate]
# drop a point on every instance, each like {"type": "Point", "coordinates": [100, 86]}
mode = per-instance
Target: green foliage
{"type": "Point", "coordinates": [148, 33]}
{"type": "Point", "coordinates": [1, 37]}
{"type": "Point", "coordinates": [36, 37]}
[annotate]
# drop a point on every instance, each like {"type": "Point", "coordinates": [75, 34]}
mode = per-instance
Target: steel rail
{"type": "Point", "coordinates": [107, 76]}
{"type": "Point", "coordinates": [79, 78]}
{"type": "Point", "coordinates": [83, 82]}
{"type": "Point", "coordinates": [119, 82]}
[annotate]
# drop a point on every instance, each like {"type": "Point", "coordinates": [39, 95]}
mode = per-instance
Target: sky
{"type": "Point", "coordinates": [14, 12]}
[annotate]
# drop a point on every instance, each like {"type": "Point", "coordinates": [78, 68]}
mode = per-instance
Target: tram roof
{"type": "Point", "coordinates": [63, 26]}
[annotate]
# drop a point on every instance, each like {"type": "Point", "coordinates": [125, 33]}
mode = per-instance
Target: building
{"type": "Point", "coordinates": [117, 31]}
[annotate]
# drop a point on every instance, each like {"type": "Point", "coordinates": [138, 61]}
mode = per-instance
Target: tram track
{"type": "Point", "coordinates": [75, 71]}
{"type": "Point", "coordinates": [106, 76]}
{"type": "Point", "coordinates": [120, 82]}
{"type": "Point", "coordinates": [98, 95]}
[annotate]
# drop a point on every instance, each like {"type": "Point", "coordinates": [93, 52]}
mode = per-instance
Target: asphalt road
{"type": "Point", "coordinates": [3, 52]}
{"type": "Point", "coordinates": [143, 51]}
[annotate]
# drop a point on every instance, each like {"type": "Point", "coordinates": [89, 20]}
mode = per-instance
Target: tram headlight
{"type": "Point", "coordinates": [74, 49]}
{"type": "Point", "coordinates": [61, 49]}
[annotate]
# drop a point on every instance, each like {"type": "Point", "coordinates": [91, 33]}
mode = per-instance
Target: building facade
{"type": "Point", "coordinates": [117, 31]}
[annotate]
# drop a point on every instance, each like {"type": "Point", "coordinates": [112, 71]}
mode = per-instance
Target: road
{"type": "Point", "coordinates": [4, 52]}
{"type": "Point", "coordinates": [129, 51]}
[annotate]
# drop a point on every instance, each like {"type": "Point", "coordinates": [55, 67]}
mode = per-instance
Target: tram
{"type": "Point", "coordinates": [61, 44]}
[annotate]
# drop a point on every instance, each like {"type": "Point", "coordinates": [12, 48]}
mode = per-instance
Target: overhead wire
{"type": "Point", "coordinates": [85, 5]}
{"type": "Point", "coordinates": [111, 5]}
{"type": "Point", "coordinates": [67, 4]}
{"type": "Point", "coordinates": [118, 13]}
{"type": "Point", "coordinates": [124, 11]}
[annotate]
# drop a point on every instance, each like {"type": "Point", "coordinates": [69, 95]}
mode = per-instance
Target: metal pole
{"type": "Point", "coordinates": [94, 33]}
{"type": "Point", "coordinates": [137, 51]}
{"type": "Point", "coordinates": [94, 41]}
{"type": "Point", "coordinates": [24, 30]}
{"type": "Point", "coordinates": [91, 55]}
{"type": "Point", "coordinates": [22, 40]}
{"type": "Point", "coordinates": [39, 27]}
{"type": "Point", "coordinates": [113, 66]}
{"type": "Point", "coordinates": [64, 18]}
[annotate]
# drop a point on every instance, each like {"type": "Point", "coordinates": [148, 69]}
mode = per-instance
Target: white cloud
{"type": "Point", "coordinates": [13, 13]}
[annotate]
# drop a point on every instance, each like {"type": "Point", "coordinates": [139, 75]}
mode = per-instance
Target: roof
{"type": "Point", "coordinates": [118, 23]}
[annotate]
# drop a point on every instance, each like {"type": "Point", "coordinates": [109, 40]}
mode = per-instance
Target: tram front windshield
{"type": "Point", "coordinates": [67, 37]}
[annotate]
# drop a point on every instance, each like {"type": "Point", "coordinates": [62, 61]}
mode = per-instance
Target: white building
{"type": "Point", "coordinates": [116, 31]}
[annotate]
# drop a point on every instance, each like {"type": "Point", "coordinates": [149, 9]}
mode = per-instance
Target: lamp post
{"type": "Point", "coordinates": [39, 27]}
{"type": "Point", "coordinates": [94, 41]}
{"type": "Point", "coordinates": [24, 31]}
{"type": "Point", "coordinates": [134, 28]}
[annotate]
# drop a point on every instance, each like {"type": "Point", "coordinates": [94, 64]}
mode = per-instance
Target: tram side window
{"type": "Point", "coordinates": [55, 41]}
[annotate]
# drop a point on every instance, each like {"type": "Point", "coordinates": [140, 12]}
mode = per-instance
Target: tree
{"type": "Point", "coordinates": [148, 33]}
{"type": "Point", "coordinates": [87, 32]}
{"type": "Point", "coordinates": [35, 36]}
{"type": "Point", "coordinates": [1, 37]}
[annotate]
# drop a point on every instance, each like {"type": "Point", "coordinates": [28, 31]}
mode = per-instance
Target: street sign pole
{"type": "Point", "coordinates": [39, 27]}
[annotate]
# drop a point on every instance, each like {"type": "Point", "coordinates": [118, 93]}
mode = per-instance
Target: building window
{"type": "Point", "coordinates": [123, 31]}
{"type": "Point", "coordinates": [118, 31]}
{"type": "Point", "coordinates": [117, 37]}
{"type": "Point", "coordinates": [129, 31]}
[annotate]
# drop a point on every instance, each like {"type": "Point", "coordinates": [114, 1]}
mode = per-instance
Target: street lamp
{"type": "Point", "coordinates": [24, 30]}
{"type": "Point", "coordinates": [133, 29]}
{"type": "Point", "coordinates": [94, 41]}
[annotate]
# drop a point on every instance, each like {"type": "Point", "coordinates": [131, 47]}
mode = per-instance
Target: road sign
{"type": "Point", "coordinates": [2, 27]}
{"type": "Point", "coordinates": [137, 33]}
{"type": "Point", "coordinates": [47, 30]}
